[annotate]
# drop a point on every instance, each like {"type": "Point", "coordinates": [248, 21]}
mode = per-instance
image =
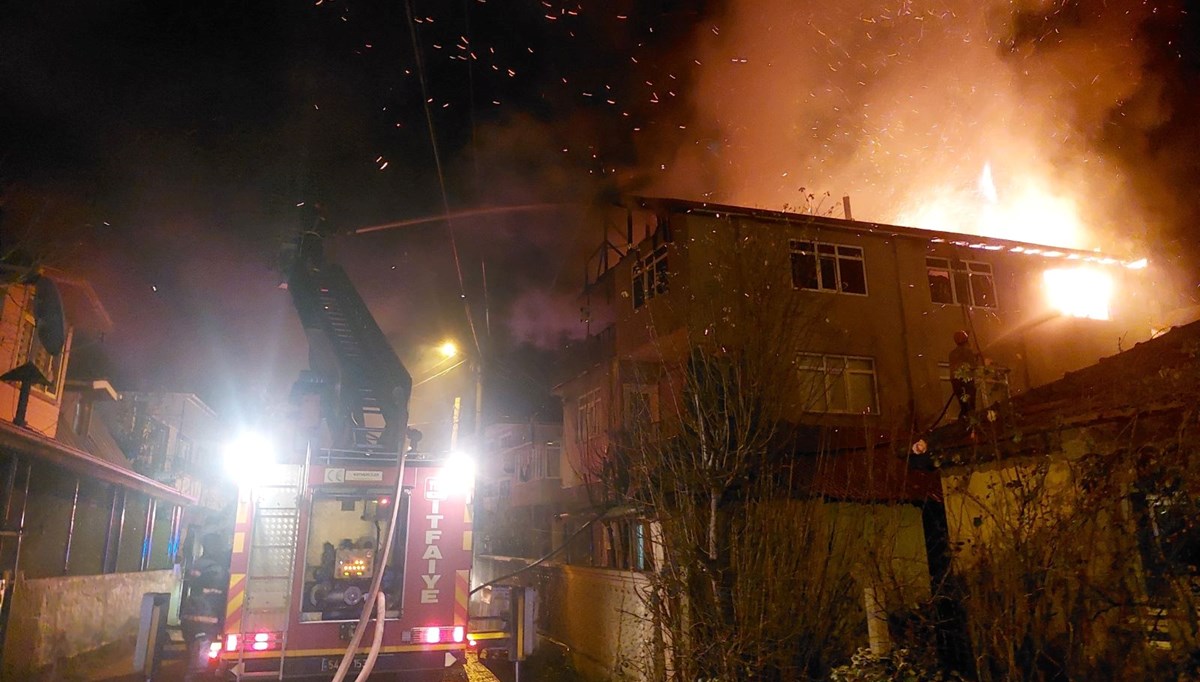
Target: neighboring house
{"type": "Point", "coordinates": [874, 309]}
{"type": "Point", "coordinates": [172, 438]}
{"type": "Point", "coordinates": [82, 537]}
{"type": "Point", "coordinates": [1073, 515]}
{"type": "Point", "coordinates": [520, 487]}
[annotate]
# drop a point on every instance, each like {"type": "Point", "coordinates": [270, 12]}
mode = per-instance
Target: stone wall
{"type": "Point", "coordinates": [54, 619]}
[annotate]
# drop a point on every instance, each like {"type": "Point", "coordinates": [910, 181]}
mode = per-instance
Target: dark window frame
{"type": "Point", "coordinates": [833, 368]}
{"type": "Point", "coordinates": [650, 276]}
{"type": "Point", "coordinates": [829, 267]}
{"type": "Point", "coordinates": [967, 282]}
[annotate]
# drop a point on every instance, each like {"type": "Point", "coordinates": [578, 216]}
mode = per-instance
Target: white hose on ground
{"type": "Point", "coordinates": [377, 642]}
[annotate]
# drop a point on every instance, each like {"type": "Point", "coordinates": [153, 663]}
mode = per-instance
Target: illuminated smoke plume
{"type": "Point", "coordinates": [902, 105]}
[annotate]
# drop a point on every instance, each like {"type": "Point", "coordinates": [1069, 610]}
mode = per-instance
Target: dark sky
{"type": "Point", "coordinates": [164, 149]}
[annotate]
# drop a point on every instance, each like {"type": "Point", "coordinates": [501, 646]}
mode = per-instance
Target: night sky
{"type": "Point", "coordinates": [164, 149]}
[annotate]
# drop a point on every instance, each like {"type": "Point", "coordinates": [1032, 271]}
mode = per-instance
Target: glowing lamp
{"type": "Point", "coordinates": [1079, 292]}
{"type": "Point", "coordinates": [448, 349]}
{"type": "Point", "coordinates": [458, 474]}
{"type": "Point", "coordinates": [249, 458]}
{"type": "Point", "coordinates": [262, 641]}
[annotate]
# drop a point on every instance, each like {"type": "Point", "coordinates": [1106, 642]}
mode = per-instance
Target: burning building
{"type": "Point", "coordinates": [852, 323]}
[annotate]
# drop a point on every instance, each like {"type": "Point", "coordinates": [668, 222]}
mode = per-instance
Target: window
{"type": "Point", "coordinates": [828, 267]}
{"type": "Point", "coordinates": [553, 452]}
{"type": "Point", "coordinates": [650, 276]}
{"type": "Point", "coordinates": [641, 406]}
{"type": "Point", "coordinates": [587, 424]}
{"type": "Point", "coordinates": [539, 461]}
{"type": "Point", "coordinates": [30, 349]}
{"type": "Point", "coordinates": [162, 537]}
{"type": "Point", "coordinates": [52, 494]}
{"type": "Point", "coordinates": [1167, 535]}
{"type": "Point", "coordinates": [134, 537]}
{"type": "Point", "coordinates": [838, 383]}
{"type": "Point", "coordinates": [626, 544]}
{"type": "Point", "coordinates": [961, 282]}
{"type": "Point", "coordinates": [91, 527]}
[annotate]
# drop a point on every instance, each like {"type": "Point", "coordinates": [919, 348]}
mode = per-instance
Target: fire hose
{"type": "Point", "coordinates": [376, 594]}
{"type": "Point", "coordinates": [377, 641]}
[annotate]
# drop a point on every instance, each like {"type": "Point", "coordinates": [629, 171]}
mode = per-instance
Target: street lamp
{"type": "Point", "coordinates": [448, 349]}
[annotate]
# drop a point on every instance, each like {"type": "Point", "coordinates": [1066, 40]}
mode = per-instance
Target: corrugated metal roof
{"type": "Point", "coordinates": [16, 439]}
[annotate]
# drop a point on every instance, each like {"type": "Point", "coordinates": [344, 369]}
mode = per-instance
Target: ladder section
{"type": "Point", "coordinates": [374, 385]}
{"type": "Point", "coordinates": [273, 542]}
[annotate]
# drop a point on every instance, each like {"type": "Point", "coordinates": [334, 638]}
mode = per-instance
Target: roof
{"type": "Point", "coordinates": [80, 302]}
{"type": "Point", "coordinates": [935, 236]}
{"type": "Point", "coordinates": [22, 441]}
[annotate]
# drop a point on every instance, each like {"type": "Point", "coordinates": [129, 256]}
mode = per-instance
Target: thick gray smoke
{"type": "Point", "coordinates": [902, 105]}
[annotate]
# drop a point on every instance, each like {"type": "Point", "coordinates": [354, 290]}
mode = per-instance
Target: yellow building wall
{"type": "Point", "coordinates": [42, 411]}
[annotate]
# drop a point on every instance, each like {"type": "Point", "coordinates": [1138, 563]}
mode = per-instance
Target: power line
{"type": "Point", "coordinates": [437, 162]}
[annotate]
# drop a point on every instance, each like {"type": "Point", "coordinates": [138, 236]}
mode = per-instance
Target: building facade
{"type": "Point", "coordinates": [859, 319]}
{"type": "Point", "coordinates": [520, 487]}
{"type": "Point", "coordinates": [82, 537]}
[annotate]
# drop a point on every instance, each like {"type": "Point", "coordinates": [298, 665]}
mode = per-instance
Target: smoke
{"type": "Point", "coordinates": [545, 319]}
{"type": "Point", "coordinates": [902, 104]}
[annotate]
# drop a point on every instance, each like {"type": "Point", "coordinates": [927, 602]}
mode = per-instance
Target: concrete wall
{"type": "Point", "coordinates": [600, 615]}
{"type": "Point", "coordinates": [596, 612]}
{"type": "Point", "coordinates": [54, 619]}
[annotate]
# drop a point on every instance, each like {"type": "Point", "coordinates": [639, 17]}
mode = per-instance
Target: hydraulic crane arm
{"type": "Point", "coordinates": [349, 351]}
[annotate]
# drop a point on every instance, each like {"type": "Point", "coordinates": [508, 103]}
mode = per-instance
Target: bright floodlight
{"type": "Point", "coordinates": [1079, 292]}
{"type": "Point", "coordinates": [448, 349]}
{"type": "Point", "coordinates": [249, 457]}
{"type": "Point", "coordinates": [459, 474]}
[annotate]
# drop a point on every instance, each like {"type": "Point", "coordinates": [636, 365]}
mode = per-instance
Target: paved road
{"type": "Point", "coordinates": [172, 671]}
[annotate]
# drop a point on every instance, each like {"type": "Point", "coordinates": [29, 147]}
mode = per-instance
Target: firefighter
{"type": "Point", "coordinates": [203, 604]}
{"type": "Point", "coordinates": [963, 362]}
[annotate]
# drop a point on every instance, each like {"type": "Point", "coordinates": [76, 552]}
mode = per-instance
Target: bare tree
{"type": "Point", "coordinates": [1081, 564]}
{"type": "Point", "coordinates": [762, 578]}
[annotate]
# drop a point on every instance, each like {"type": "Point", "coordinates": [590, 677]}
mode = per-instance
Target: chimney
{"type": "Point", "coordinates": [846, 212]}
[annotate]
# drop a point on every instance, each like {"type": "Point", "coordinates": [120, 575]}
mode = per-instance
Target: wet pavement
{"type": "Point", "coordinates": [172, 671]}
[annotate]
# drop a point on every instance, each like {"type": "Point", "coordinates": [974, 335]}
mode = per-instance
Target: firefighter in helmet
{"type": "Point", "coordinates": [203, 605]}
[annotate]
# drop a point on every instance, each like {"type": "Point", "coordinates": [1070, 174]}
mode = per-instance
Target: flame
{"type": "Point", "coordinates": [1079, 292]}
{"type": "Point", "coordinates": [987, 186]}
{"type": "Point", "coordinates": [1028, 211]}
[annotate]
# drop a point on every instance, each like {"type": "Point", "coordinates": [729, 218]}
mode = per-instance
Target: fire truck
{"type": "Point", "coordinates": [349, 522]}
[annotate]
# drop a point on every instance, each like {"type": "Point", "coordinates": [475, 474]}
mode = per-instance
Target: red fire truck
{"type": "Point", "coordinates": [310, 552]}
{"type": "Point", "coordinates": [306, 548]}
